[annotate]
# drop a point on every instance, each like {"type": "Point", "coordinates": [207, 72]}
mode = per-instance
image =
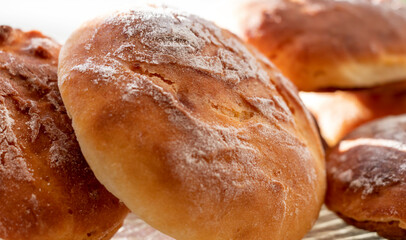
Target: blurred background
{"type": "Point", "coordinates": [59, 18]}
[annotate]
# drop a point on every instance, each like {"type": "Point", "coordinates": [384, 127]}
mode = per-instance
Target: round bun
{"type": "Point", "coordinates": [322, 44]}
{"type": "Point", "coordinates": [47, 190]}
{"type": "Point", "coordinates": [197, 134]}
{"type": "Point", "coordinates": [366, 175]}
{"type": "Point", "coordinates": [340, 112]}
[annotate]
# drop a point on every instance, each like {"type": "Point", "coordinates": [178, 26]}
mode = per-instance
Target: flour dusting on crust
{"type": "Point", "coordinates": [158, 36]}
{"type": "Point", "coordinates": [106, 71]}
{"type": "Point", "coordinates": [275, 108]}
{"type": "Point", "coordinates": [12, 164]}
{"type": "Point", "coordinates": [199, 156]}
{"type": "Point", "coordinates": [229, 128]}
{"type": "Point", "coordinates": [168, 36]}
{"type": "Point", "coordinates": [373, 156]}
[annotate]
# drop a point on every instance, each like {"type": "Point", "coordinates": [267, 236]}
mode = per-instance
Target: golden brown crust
{"type": "Point", "coordinates": [366, 177]}
{"type": "Point", "coordinates": [197, 136]}
{"type": "Point", "coordinates": [339, 112]}
{"type": "Point", "coordinates": [47, 190]}
{"type": "Point", "coordinates": [323, 44]}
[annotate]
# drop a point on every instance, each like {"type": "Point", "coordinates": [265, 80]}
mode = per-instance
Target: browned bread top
{"type": "Point", "coordinates": [194, 131]}
{"type": "Point", "coordinates": [366, 174]}
{"type": "Point", "coordinates": [329, 43]}
{"type": "Point", "coordinates": [47, 190]}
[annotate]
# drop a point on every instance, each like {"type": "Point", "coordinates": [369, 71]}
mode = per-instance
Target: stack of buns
{"type": "Point", "coordinates": [349, 60]}
{"type": "Point", "coordinates": [339, 112]}
{"type": "Point", "coordinates": [348, 57]}
{"type": "Point", "coordinates": [197, 132]}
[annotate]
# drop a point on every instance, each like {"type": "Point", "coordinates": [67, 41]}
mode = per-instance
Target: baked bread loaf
{"type": "Point", "coordinates": [47, 190]}
{"type": "Point", "coordinates": [196, 133]}
{"type": "Point", "coordinates": [329, 45]}
{"type": "Point", "coordinates": [322, 44]}
{"type": "Point", "coordinates": [366, 174]}
{"type": "Point", "coordinates": [339, 112]}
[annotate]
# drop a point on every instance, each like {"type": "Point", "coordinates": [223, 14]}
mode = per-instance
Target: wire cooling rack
{"type": "Point", "coordinates": [327, 227]}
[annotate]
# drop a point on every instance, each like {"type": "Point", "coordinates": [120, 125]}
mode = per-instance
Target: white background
{"type": "Point", "coordinates": [58, 19]}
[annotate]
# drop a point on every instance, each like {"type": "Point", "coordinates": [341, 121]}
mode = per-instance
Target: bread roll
{"type": "Point", "coordinates": [366, 175]}
{"type": "Point", "coordinates": [339, 112]}
{"type": "Point", "coordinates": [47, 190]}
{"type": "Point", "coordinates": [196, 133]}
{"type": "Point", "coordinates": [322, 44]}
